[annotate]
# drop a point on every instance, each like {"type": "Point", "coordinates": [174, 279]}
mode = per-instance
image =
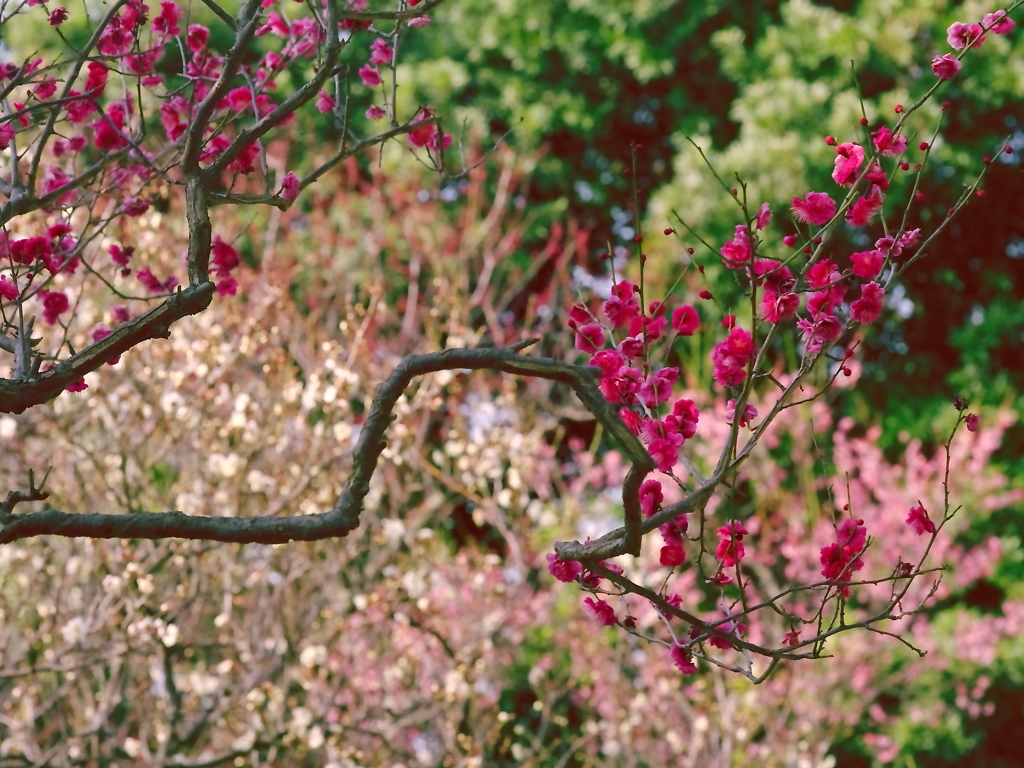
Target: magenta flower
{"type": "Point", "coordinates": [370, 76]}
{"type": "Point", "coordinates": [651, 496]}
{"type": "Point", "coordinates": [737, 250]}
{"type": "Point", "coordinates": [55, 303]}
{"type": "Point", "coordinates": [290, 186]}
{"type": "Point", "coordinates": [657, 387]}
{"type": "Point", "coordinates": [865, 208]}
{"type": "Point", "coordinates": [946, 67]}
{"type": "Point", "coordinates": [960, 35]}
{"type": "Point", "coordinates": [589, 338]}
{"type": "Point", "coordinates": [730, 548]}
{"type": "Point", "coordinates": [683, 659]}
{"type": "Point", "coordinates": [197, 37]}
{"type": "Point", "coordinates": [381, 52]}
{"type": "Point", "coordinates": [749, 413]}
{"type": "Point", "coordinates": [622, 306]}
{"type": "Point", "coordinates": [887, 144]}
{"type": "Point", "coordinates": [325, 103]}
{"type": "Point", "coordinates": [672, 555]}
{"type": "Point", "coordinates": [919, 521]}
{"type": "Point", "coordinates": [685, 320]}
{"type": "Point", "coordinates": [849, 158]}
{"type": "Point", "coordinates": [564, 570]}
{"type": "Point", "coordinates": [998, 22]}
{"type": "Point", "coordinates": [867, 308]}
{"type": "Point", "coordinates": [776, 307]}
{"type": "Point", "coordinates": [764, 216]}
{"type": "Point", "coordinates": [867, 264]}
{"type": "Point", "coordinates": [8, 288]}
{"type": "Point", "coordinates": [816, 208]}
{"type": "Point", "coordinates": [972, 421]}
{"type": "Point", "coordinates": [375, 113]}
{"type": "Point", "coordinates": [601, 611]}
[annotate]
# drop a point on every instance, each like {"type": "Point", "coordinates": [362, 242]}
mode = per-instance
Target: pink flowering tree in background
{"type": "Point", "coordinates": [94, 139]}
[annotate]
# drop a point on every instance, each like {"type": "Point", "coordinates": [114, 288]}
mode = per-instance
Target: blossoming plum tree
{"type": "Point", "coordinates": [91, 140]}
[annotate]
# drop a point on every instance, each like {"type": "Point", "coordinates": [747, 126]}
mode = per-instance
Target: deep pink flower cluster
{"type": "Point", "coordinates": [730, 548]}
{"type": "Point", "coordinates": [731, 356]}
{"type": "Point", "coordinates": [919, 521]}
{"type": "Point", "coordinates": [840, 559]}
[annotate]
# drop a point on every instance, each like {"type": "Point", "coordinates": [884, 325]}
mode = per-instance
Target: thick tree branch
{"type": "Point", "coordinates": [16, 395]}
{"type": "Point", "coordinates": [344, 516]}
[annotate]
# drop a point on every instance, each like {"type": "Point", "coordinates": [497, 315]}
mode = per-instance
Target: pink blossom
{"type": "Point", "coordinates": [381, 52]}
{"type": "Point", "coordinates": [672, 555]}
{"type": "Point", "coordinates": [58, 17]}
{"type": "Point", "coordinates": [244, 161]}
{"type": "Point", "coordinates": [651, 497]}
{"type": "Point", "coordinates": [867, 308]}
{"type": "Point", "coordinates": [133, 207]}
{"type": "Point", "coordinates": [684, 418]}
{"type": "Point", "coordinates": [919, 521]}
{"type": "Point", "coordinates": [96, 82]}
{"type": "Point", "coordinates": [166, 24]}
{"type": "Point", "coordinates": [370, 76]}
{"type": "Point", "coordinates": [9, 289]}
{"type": "Point", "coordinates": [121, 314]}
{"type": "Point", "coordinates": [657, 387]}
{"type": "Point", "coordinates": [665, 451]}
{"type": "Point", "coordinates": [622, 306]}
{"type": "Point", "coordinates": [237, 99]}
{"type": "Point", "coordinates": [78, 110]}
{"type": "Point", "coordinates": [887, 144]}
{"type": "Point", "coordinates": [822, 273]}
{"type": "Point", "coordinates": [730, 357]}
{"type": "Point", "coordinates": [115, 41]}
{"type": "Point", "coordinates": [849, 158]}
{"type": "Point", "coordinates": [822, 329]}
{"type": "Point", "coordinates": [101, 332]}
{"type": "Point", "coordinates": [589, 338]}
{"type": "Point", "coordinates": [998, 22]}
{"type": "Point", "coordinates": [730, 548]}
{"type": "Point", "coordinates": [564, 570]}
{"type": "Point", "coordinates": [325, 103]}
{"type": "Point", "coordinates": [197, 37]}
{"type": "Point", "coordinates": [816, 208]}
{"type": "Point", "coordinates": [867, 264]}
{"type": "Point", "coordinates": [223, 255]}
{"type": "Point", "coordinates": [419, 21]}
{"type": "Point", "coordinates": [427, 135]}
{"type": "Point", "coordinates": [601, 611]}
{"type": "Point", "coordinates": [972, 421]}
{"type": "Point", "coordinates": [30, 249]}
{"type": "Point", "coordinates": [839, 560]}
{"type": "Point", "coordinates": [683, 659]}
{"type": "Point", "coordinates": [908, 239]}
{"type": "Point", "coordinates": [764, 216]}
{"type": "Point", "coordinates": [55, 303]}
{"type": "Point", "coordinates": [226, 284]}
{"type": "Point", "coordinates": [45, 89]}
{"type": "Point", "coordinates": [865, 208]}
{"type": "Point", "coordinates": [730, 627]}
{"type": "Point", "coordinates": [120, 255]}
{"type": "Point", "coordinates": [945, 67]}
{"type": "Point", "coordinates": [777, 307]}
{"type": "Point", "coordinates": [685, 320]}
{"type": "Point", "coordinates": [78, 385]}
{"type": "Point", "coordinates": [749, 413]}
{"type": "Point", "coordinates": [631, 419]}
{"type": "Point", "coordinates": [290, 186]}
{"type": "Point", "coordinates": [876, 176]}
{"type": "Point", "coordinates": [737, 250]}
{"type": "Point", "coordinates": [792, 638]}
{"type": "Point", "coordinates": [148, 279]}
{"type": "Point", "coordinates": [960, 35]}
{"type": "Point", "coordinates": [376, 113]}
{"type": "Point", "coordinates": [6, 134]}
